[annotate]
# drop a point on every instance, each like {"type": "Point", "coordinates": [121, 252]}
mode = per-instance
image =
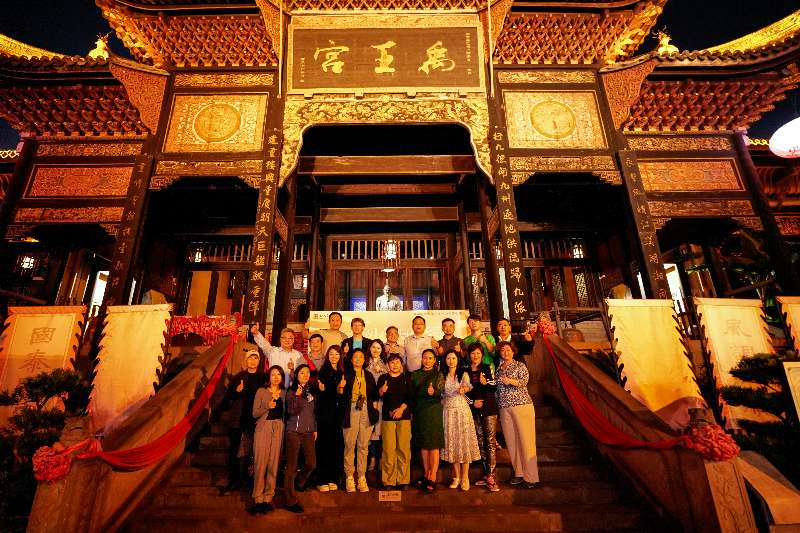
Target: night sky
{"type": "Point", "coordinates": [71, 27]}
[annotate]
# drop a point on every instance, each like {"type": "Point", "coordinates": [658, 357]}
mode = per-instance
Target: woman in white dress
{"type": "Point", "coordinates": [460, 439]}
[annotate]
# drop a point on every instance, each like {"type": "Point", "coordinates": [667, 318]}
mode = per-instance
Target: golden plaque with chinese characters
{"type": "Point", "coordinates": [385, 53]}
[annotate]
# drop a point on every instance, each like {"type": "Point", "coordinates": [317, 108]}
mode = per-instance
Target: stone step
{"type": "Point", "coordinates": [577, 493]}
{"type": "Point", "coordinates": [553, 472]}
{"type": "Point", "coordinates": [544, 438]}
{"type": "Point", "coordinates": [546, 454]}
{"type": "Point", "coordinates": [394, 517]}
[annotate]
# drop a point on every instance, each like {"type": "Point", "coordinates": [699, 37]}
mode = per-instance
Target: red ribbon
{"type": "Point", "coordinates": [50, 464]}
{"type": "Point", "coordinates": [711, 442]}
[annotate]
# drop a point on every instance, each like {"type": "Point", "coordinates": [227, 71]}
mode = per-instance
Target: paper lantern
{"type": "Point", "coordinates": [786, 141]}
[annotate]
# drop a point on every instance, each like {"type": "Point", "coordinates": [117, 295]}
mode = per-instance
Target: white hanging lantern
{"type": "Point", "coordinates": [786, 141]}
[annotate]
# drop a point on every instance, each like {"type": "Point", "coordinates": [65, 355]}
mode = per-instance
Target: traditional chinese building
{"type": "Point", "coordinates": [263, 158]}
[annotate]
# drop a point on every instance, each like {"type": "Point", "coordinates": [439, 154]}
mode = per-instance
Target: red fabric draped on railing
{"type": "Point", "coordinates": [711, 442]}
{"type": "Point", "coordinates": [210, 328]}
{"type": "Point", "coordinates": [53, 463]}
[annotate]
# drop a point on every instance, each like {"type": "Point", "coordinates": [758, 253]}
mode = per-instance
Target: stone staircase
{"type": "Point", "coordinates": [576, 493]}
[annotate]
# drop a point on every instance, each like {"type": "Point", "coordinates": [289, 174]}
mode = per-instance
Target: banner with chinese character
{"type": "Point", "coordinates": [376, 322]}
{"type": "Point", "coordinates": [790, 307]}
{"type": "Point", "coordinates": [133, 339]}
{"type": "Point", "coordinates": [36, 340]}
{"type": "Point", "coordinates": [733, 329]}
{"type": "Point", "coordinates": [655, 364]}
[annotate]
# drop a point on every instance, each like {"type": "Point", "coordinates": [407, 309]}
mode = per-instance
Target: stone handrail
{"type": "Point", "coordinates": [96, 498]}
{"type": "Point", "coordinates": [697, 495]}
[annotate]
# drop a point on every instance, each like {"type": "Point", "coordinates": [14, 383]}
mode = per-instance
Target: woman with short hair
{"type": "Point", "coordinates": [301, 432]}
{"type": "Point", "coordinates": [517, 416]}
{"type": "Point", "coordinates": [395, 391]}
{"type": "Point", "coordinates": [358, 407]}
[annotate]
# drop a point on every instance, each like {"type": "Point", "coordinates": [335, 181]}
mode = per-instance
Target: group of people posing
{"type": "Point", "coordinates": [352, 403]}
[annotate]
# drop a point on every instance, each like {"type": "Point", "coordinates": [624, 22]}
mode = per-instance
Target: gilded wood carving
{"type": "Point", "coordinates": [68, 214]}
{"type": "Point", "coordinates": [244, 79]}
{"type": "Point", "coordinates": [54, 181]}
{"type": "Point", "coordinates": [216, 123]}
{"type": "Point", "coordinates": [670, 143]}
{"type": "Point", "coordinates": [701, 208]}
{"type": "Point", "coordinates": [546, 76]}
{"type": "Point", "coordinates": [553, 119]}
{"type": "Point", "coordinates": [300, 114]}
{"type": "Point", "coordinates": [690, 175]}
{"type": "Point", "coordinates": [110, 149]}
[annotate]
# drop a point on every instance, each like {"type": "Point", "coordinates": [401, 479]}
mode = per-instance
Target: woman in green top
{"type": "Point", "coordinates": [427, 426]}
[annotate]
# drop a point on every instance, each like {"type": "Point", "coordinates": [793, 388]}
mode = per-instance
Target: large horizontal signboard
{"type": "Point", "coordinates": [409, 53]}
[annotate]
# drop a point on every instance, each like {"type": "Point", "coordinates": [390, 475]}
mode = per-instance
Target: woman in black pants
{"type": "Point", "coordinates": [301, 432]}
{"type": "Point", "coordinates": [330, 442]}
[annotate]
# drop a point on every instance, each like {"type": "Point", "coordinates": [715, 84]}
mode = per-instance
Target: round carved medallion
{"type": "Point", "coordinates": [553, 119]}
{"type": "Point", "coordinates": [217, 122]}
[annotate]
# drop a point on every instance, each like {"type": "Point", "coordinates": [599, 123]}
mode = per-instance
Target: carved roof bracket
{"type": "Point", "coordinates": [145, 87]}
{"type": "Point", "coordinates": [623, 85]}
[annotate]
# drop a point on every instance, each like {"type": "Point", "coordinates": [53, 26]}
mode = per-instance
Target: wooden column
{"type": "Point", "coordinates": [283, 288]}
{"type": "Point", "coordinates": [463, 236]}
{"type": "Point", "coordinates": [129, 233]}
{"type": "Point", "coordinates": [19, 179]}
{"type": "Point", "coordinates": [489, 257]}
{"type": "Point", "coordinates": [516, 281]}
{"type": "Point", "coordinates": [258, 285]}
{"type": "Point", "coordinates": [787, 276]}
{"type": "Point", "coordinates": [313, 252]}
{"type": "Point", "coordinates": [652, 266]}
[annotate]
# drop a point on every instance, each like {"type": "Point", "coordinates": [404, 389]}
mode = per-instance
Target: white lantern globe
{"type": "Point", "coordinates": [786, 141]}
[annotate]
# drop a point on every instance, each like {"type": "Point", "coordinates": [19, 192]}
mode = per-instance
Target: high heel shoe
{"type": "Point", "coordinates": [465, 484]}
{"type": "Point", "coordinates": [456, 482]}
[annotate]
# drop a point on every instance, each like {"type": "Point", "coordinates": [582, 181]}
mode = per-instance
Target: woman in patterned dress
{"type": "Point", "coordinates": [460, 441]}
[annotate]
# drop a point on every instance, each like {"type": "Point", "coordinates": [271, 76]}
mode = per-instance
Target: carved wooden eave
{"type": "Point", "coordinates": [544, 34]}
{"type": "Point", "coordinates": [231, 37]}
{"type": "Point", "coordinates": [145, 87]}
{"type": "Point", "coordinates": [724, 88]}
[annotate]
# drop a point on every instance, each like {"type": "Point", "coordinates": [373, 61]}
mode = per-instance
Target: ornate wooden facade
{"type": "Point", "coordinates": [226, 91]}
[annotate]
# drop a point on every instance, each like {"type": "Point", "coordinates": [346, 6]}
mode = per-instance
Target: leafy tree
{"type": "Point", "coordinates": [778, 440]}
{"type": "Point", "coordinates": [37, 421]}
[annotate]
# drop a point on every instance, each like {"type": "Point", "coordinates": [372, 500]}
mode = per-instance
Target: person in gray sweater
{"type": "Point", "coordinates": [268, 411]}
{"type": "Point", "coordinates": [301, 432]}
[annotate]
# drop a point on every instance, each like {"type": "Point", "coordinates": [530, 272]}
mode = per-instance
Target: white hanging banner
{"type": "Point", "coordinates": [36, 340]}
{"type": "Point", "coordinates": [657, 369]}
{"type": "Point", "coordinates": [790, 307]}
{"type": "Point", "coordinates": [133, 341]}
{"type": "Point", "coordinates": [734, 328]}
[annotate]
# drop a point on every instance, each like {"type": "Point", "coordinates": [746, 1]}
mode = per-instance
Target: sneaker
{"type": "Point", "coordinates": [530, 484]}
{"type": "Point", "coordinates": [350, 484]}
{"type": "Point", "coordinates": [268, 508]}
{"type": "Point", "coordinates": [333, 486]}
{"type": "Point", "coordinates": [516, 480]}
{"type": "Point", "coordinates": [481, 482]}
{"type": "Point", "coordinates": [421, 483]}
{"type": "Point", "coordinates": [456, 482]}
{"type": "Point", "coordinates": [465, 484]}
{"type": "Point", "coordinates": [492, 485]}
{"type": "Point", "coordinates": [323, 488]}
{"type": "Point", "coordinates": [430, 486]}
{"type": "Point", "coordinates": [257, 509]}
{"type": "Point", "coordinates": [362, 484]}
{"type": "Point", "coordinates": [296, 508]}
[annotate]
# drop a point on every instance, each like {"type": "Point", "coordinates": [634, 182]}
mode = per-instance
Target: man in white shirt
{"type": "Point", "coordinates": [284, 355]}
{"type": "Point", "coordinates": [417, 343]}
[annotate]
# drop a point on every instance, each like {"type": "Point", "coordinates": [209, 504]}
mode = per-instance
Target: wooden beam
{"type": "Point", "coordinates": [389, 189]}
{"type": "Point", "coordinates": [388, 214]}
{"type": "Point", "coordinates": [386, 165]}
